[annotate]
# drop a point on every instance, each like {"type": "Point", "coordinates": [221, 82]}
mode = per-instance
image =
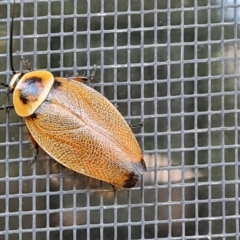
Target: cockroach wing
{"type": "Point", "coordinates": [83, 131]}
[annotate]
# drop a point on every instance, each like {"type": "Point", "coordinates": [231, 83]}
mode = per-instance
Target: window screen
{"type": "Point", "coordinates": [172, 65]}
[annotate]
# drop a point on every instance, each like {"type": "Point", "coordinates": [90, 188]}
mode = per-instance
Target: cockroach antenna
{"type": "Point", "coordinates": [11, 39]}
{"type": "Point", "coordinates": [11, 44]}
{"type": "Point", "coordinates": [25, 63]}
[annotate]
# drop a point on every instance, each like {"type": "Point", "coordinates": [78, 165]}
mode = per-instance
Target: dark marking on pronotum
{"type": "Point", "coordinates": [33, 80]}
{"type": "Point", "coordinates": [30, 89]}
{"type": "Point", "coordinates": [23, 98]}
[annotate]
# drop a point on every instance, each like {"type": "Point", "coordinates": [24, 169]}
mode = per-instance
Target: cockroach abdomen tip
{"type": "Point", "coordinates": [133, 176]}
{"type": "Point", "coordinates": [131, 181]}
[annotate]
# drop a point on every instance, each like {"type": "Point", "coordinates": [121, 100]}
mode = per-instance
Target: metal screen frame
{"type": "Point", "coordinates": [173, 65]}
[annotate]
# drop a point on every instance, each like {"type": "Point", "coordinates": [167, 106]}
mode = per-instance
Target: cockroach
{"type": "Point", "coordinates": [76, 125]}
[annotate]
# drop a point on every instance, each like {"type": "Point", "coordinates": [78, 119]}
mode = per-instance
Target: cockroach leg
{"type": "Point", "coordinates": [85, 79]}
{"type": "Point", "coordinates": [136, 125]}
{"type": "Point", "coordinates": [92, 75]}
{"type": "Point", "coordinates": [36, 150]}
{"type": "Point", "coordinates": [81, 79]}
{"type": "Point", "coordinates": [4, 84]}
{"type": "Point", "coordinates": [6, 90]}
{"type": "Point", "coordinates": [6, 107]}
{"type": "Point", "coordinates": [26, 63]}
{"type": "Point", "coordinates": [114, 189]}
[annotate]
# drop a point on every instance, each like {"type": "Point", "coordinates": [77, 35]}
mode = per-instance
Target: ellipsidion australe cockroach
{"type": "Point", "coordinates": [76, 126]}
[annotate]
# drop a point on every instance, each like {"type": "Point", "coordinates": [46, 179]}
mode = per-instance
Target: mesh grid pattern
{"type": "Point", "coordinates": [173, 65]}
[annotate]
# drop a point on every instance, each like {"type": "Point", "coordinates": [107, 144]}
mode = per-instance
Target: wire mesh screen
{"type": "Point", "coordinates": [172, 65]}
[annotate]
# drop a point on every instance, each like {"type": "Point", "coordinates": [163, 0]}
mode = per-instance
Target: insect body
{"type": "Point", "coordinates": [78, 127]}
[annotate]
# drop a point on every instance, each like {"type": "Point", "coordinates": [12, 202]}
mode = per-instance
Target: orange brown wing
{"type": "Point", "coordinates": [83, 131]}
